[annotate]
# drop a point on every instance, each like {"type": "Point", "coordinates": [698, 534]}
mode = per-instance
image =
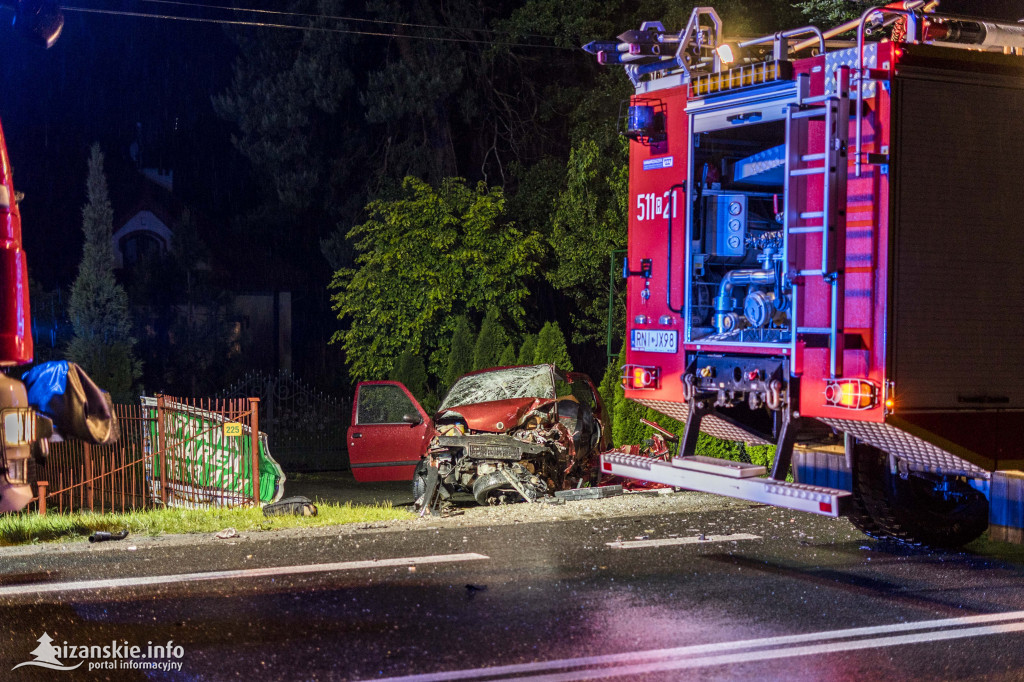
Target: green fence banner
{"type": "Point", "coordinates": [204, 464]}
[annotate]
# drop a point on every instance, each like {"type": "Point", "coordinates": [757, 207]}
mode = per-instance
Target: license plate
{"type": "Point", "coordinates": [495, 452]}
{"type": "Point", "coordinates": [654, 341]}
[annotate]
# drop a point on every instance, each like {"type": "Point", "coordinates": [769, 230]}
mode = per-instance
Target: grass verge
{"type": "Point", "coordinates": [18, 529]}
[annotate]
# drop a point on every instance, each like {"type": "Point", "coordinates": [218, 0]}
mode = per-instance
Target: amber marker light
{"type": "Point", "coordinates": [852, 394]}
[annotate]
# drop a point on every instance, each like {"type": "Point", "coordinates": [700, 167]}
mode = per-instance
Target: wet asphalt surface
{"type": "Point", "coordinates": [552, 593]}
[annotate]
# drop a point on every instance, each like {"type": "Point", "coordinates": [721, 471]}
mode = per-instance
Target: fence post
{"type": "Point", "coordinates": [88, 476]}
{"type": "Point", "coordinates": [254, 435]}
{"type": "Point", "coordinates": [161, 447]}
{"type": "Point", "coordinates": [42, 497]}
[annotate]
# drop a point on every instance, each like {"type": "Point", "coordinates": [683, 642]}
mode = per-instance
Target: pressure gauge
{"type": "Point", "coordinates": [735, 208]}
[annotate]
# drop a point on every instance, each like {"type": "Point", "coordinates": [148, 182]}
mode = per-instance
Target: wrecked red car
{"type": "Point", "coordinates": [502, 435]}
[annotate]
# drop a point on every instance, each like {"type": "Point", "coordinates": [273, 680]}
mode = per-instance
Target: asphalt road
{"type": "Point", "coordinates": [765, 595]}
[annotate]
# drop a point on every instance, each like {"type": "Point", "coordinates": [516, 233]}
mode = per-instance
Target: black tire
{"type": "Point", "coordinates": [859, 515]}
{"type": "Point", "coordinates": [861, 519]}
{"type": "Point", "coordinates": [911, 510]}
{"type": "Point", "coordinates": [419, 480]}
{"type": "Point", "coordinates": [490, 484]}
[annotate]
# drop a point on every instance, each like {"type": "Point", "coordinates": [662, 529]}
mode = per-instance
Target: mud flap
{"type": "Point", "coordinates": [432, 493]}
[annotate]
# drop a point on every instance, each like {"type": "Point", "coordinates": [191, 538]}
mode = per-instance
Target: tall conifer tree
{"type": "Point", "coordinates": [460, 357]}
{"type": "Point", "coordinates": [102, 343]}
{"type": "Point", "coordinates": [489, 342]}
{"type": "Point", "coordinates": [551, 347]}
{"type": "Point", "coordinates": [528, 349]}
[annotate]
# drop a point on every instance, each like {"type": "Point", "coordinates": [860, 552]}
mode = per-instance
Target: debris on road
{"type": "Point", "coordinates": [291, 506]}
{"type": "Point", "coordinates": [589, 493]}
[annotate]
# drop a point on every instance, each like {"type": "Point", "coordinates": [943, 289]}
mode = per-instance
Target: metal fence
{"type": "Point", "coordinates": [169, 453]}
{"type": "Point", "coordinates": [111, 477]}
{"type": "Point", "coordinates": [306, 427]}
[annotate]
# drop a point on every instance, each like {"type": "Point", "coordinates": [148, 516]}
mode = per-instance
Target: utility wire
{"type": "Point", "coordinates": [252, 10]}
{"type": "Point", "coordinates": [321, 29]}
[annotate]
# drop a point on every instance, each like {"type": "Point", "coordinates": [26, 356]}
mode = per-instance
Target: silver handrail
{"type": "Point", "coordinates": [782, 35]}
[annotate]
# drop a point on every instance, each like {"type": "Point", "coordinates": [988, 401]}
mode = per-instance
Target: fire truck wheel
{"type": "Point", "coordinates": [859, 515]}
{"type": "Point", "coordinates": [862, 520]}
{"type": "Point", "coordinates": [913, 510]}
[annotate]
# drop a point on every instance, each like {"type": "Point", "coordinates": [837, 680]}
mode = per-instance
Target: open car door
{"type": "Point", "coordinates": [389, 432]}
{"type": "Point", "coordinates": [585, 391]}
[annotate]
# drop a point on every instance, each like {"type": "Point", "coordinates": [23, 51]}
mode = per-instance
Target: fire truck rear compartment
{"type": "Point", "coordinates": [959, 165]}
{"type": "Point", "coordinates": [736, 277]}
{"type": "Point", "coordinates": [957, 286]}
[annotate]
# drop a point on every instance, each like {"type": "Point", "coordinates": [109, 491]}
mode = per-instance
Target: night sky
{"type": "Point", "coordinates": [108, 74]}
{"type": "Point", "coordinates": [104, 76]}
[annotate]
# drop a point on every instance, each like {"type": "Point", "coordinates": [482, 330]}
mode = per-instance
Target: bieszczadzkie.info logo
{"type": "Point", "coordinates": [113, 656]}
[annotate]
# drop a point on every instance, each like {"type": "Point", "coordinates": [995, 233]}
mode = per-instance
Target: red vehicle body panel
{"type": "Point", "coordinates": [497, 416]}
{"type": "Point", "coordinates": [15, 325]}
{"type": "Point", "coordinates": [386, 451]}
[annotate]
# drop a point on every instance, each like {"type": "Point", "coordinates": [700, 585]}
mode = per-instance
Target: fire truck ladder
{"type": "Point", "coordinates": [830, 221]}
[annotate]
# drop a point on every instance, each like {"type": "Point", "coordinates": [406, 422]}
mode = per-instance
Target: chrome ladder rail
{"type": "Point", "coordinates": [835, 111]}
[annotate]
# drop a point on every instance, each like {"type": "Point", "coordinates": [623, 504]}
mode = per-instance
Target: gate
{"type": "Point", "coordinates": [305, 427]}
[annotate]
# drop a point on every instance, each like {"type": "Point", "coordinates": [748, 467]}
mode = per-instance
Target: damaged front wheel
{"type": "Point", "coordinates": [505, 485]}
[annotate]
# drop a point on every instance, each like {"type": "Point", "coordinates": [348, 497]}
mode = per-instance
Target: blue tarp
{"type": "Point", "coordinates": [79, 408]}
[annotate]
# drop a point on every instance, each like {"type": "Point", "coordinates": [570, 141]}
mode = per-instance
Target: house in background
{"type": "Point", "coordinates": [144, 235]}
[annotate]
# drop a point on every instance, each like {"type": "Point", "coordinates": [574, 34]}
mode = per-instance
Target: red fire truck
{"type": "Point", "coordinates": [824, 251]}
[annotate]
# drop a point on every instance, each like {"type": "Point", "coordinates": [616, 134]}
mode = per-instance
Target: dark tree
{"type": "Point", "coordinates": [508, 356]}
{"type": "Point", "coordinates": [410, 370]}
{"type": "Point", "coordinates": [528, 350]}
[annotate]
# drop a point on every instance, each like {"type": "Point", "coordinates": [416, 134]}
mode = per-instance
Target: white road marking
{"type": "Point", "coordinates": [635, 544]}
{"type": "Point", "coordinates": [38, 588]}
{"type": "Point", "coordinates": [757, 656]}
{"type": "Point", "coordinates": [718, 653]}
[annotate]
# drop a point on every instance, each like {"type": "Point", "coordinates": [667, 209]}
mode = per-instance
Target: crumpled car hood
{"type": "Point", "coordinates": [496, 416]}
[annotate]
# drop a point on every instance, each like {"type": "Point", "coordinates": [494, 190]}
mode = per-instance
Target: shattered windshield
{"type": "Point", "coordinates": [514, 382]}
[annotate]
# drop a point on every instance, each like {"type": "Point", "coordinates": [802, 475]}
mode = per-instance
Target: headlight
{"type": "Point", "coordinates": [17, 471]}
{"type": "Point", "coordinates": [19, 426]}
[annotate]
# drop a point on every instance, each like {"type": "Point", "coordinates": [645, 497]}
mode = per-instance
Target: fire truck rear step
{"type": "Point", "coordinates": [732, 479]}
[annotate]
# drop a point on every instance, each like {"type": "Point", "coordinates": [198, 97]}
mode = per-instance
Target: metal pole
{"type": "Point", "coordinates": [161, 447]}
{"type": "Point", "coordinates": [611, 302]}
{"type": "Point", "coordinates": [89, 499]}
{"type": "Point", "coordinates": [42, 497]}
{"type": "Point", "coordinates": [254, 435]}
